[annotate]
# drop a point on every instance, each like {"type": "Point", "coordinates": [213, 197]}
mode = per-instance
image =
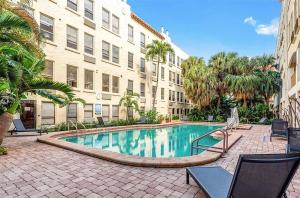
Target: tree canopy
{"type": "Point", "coordinates": [230, 75]}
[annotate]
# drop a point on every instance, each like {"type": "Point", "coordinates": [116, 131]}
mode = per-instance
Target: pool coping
{"type": "Point", "coordinates": [201, 159]}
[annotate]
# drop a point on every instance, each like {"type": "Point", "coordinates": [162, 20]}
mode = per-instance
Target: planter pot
{"type": "Point", "coordinates": [162, 122]}
{"type": "Point", "coordinates": [5, 122]}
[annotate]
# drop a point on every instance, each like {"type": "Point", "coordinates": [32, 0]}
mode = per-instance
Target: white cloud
{"type": "Point", "coordinates": [269, 29]}
{"type": "Point", "coordinates": [263, 29]}
{"type": "Point", "coordinates": [250, 21]}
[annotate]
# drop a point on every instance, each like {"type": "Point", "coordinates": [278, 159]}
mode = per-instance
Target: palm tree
{"type": "Point", "coordinates": [270, 77]}
{"type": "Point", "coordinates": [190, 63]}
{"type": "Point", "coordinates": [221, 64]}
{"type": "Point", "coordinates": [199, 82]}
{"type": "Point", "coordinates": [157, 52]}
{"type": "Point", "coordinates": [129, 101]}
{"type": "Point", "coordinates": [244, 83]}
{"type": "Point", "coordinates": [18, 27]}
{"type": "Point", "coordinates": [22, 63]}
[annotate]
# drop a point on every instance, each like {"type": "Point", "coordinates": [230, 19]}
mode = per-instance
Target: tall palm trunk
{"type": "Point", "coordinates": [5, 122]}
{"type": "Point", "coordinates": [245, 101]}
{"type": "Point", "coordinates": [157, 79]}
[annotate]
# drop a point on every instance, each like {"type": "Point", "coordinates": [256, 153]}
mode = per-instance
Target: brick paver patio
{"type": "Point", "coordinates": [38, 170]}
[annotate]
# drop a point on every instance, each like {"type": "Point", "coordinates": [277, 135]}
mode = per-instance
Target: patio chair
{"type": "Point", "coordinates": [184, 118]}
{"type": "Point", "coordinates": [143, 120]}
{"type": "Point", "coordinates": [19, 128]}
{"type": "Point", "coordinates": [259, 176]}
{"type": "Point", "coordinates": [293, 144]}
{"type": "Point", "coordinates": [279, 128]}
{"type": "Point", "coordinates": [210, 118]}
{"type": "Point", "coordinates": [263, 120]}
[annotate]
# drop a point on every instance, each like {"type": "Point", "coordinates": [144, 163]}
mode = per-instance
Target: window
{"type": "Point", "coordinates": [130, 34]}
{"type": "Point", "coordinates": [130, 86]}
{"type": "Point", "coordinates": [115, 84]}
{"type": "Point", "coordinates": [130, 60]}
{"type": "Point", "coordinates": [173, 77]}
{"type": "Point", "coordinates": [178, 79]}
{"type": "Point", "coordinates": [162, 93]}
{"type": "Point", "coordinates": [162, 75]}
{"type": "Point", "coordinates": [154, 70]}
{"type": "Point", "coordinates": [48, 71]}
{"type": "Point", "coordinates": [72, 4]}
{"type": "Point", "coordinates": [88, 112]}
{"type": "Point", "coordinates": [115, 112]}
{"type": "Point", "coordinates": [115, 54]}
{"type": "Point", "coordinates": [72, 112]}
{"type": "Point", "coordinates": [143, 40]}
{"type": "Point", "coordinates": [88, 79]}
{"type": "Point", "coordinates": [143, 67]}
{"type": "Point", "coordinates": [115, 24]}
{"type": "Point", "coordinates": [173, 95]}
{"type": "Point", "coordinates": [172, 58]}
{"type": "Point", "coordinates": [153, 91]}
{"type": "Point", "coordinates": [170, 95]}
{"type": "Point", "coordinates": [46, 25]}
{"type": "Point", "coordinates": [72, 37]}
{"type": "Point", "coordinates": [105, 50]}
{"type": "Point", "coordinates": [142, 93]}
{"type": "Point", "coordinates": [181, 97]}
{"type": "Point", "coordinates": [72, 76]}
{"type": "Point", "coordinates": [170, 75]}
{"type": "Point", "coordinates": [88, 44]}
{"type": "Point", "coordinates": [105, 113]}
{"type": "Point", "coordinates": [105, 82]}
{"type": "Point", "coordinates": [105, 18]}
{"type": "Point", "coordinates": [88, 9]}
{"type": "Point", "coordinates": [48, 113]}
{"type": "Point", "coordinates": [142, 110]}
{"type": "Point", "coordinates": [178, 61]}
{"type": "Point", "coordinates": [178, 96]}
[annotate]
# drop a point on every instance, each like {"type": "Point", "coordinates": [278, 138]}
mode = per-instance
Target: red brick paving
{"type": "Point", "coordinates": [38, 170]}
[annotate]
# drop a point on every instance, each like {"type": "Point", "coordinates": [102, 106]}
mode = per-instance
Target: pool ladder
{"type": "Point", "coordinates": [75, 125]}
{"type": "Point", "coordinates": [196, 146]}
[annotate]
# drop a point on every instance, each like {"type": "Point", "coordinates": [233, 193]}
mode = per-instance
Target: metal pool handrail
{"type": "Point", "coordinates": [74, 125]}
{"type": "Point", "coordinates": [203, 147]}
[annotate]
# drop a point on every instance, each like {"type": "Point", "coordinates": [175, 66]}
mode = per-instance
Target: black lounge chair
{"type": "Point", "coordinates": [259, 176]}
{"type": "Point", "coordinates": [100, 121]}
{"type": "Point", "coordinates": [279, 128]}
{"type": "Point", "coordinates": [19, 128]}
{"type": "Point", "coordinates": [293, 140]}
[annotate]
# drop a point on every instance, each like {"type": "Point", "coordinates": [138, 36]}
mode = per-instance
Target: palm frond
{"type": "Point", "coordinates": [47, 94]}
{"type": "Point", "coordinates": [50, 85]}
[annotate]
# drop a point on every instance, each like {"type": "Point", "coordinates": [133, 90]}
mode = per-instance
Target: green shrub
{"type": "Point", "coordinates": [3, 150]}
{"type": "Point", "coordinates": [175, 117]}
{"type": "Point", "coordinates": [254, 114]}
{"type": "Point", "coordinates": [152, 117]}
{"type": "Point", "coordinates": [122, 122]}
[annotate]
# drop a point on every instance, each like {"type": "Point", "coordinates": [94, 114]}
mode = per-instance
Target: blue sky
{"type": "Point", "coordinates": [205, 27]}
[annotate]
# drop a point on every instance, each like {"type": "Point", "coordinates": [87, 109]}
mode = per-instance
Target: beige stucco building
{"type": "Point", "coordinates": [288, 51]}
{"type": "Point", "coordinates": [98, 48]}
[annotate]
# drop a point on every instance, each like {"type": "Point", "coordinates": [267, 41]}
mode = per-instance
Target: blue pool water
{"type": "Point", "coordinates": [174, 141]}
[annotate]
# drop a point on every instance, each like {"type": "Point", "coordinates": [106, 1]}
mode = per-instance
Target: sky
{"type": "Point", "coordinates": [205, 27]}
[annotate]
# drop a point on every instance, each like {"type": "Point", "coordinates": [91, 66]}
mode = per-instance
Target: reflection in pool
{"type": "Point", "coordinates": [174, 141]}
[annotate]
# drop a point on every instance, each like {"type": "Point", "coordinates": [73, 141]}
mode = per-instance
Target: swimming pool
{"type": "Point", "coordinates": [167, 142]}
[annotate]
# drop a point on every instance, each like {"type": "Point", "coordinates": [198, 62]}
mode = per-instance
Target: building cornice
{"type": "Point", "coordinates": [146, 25]}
